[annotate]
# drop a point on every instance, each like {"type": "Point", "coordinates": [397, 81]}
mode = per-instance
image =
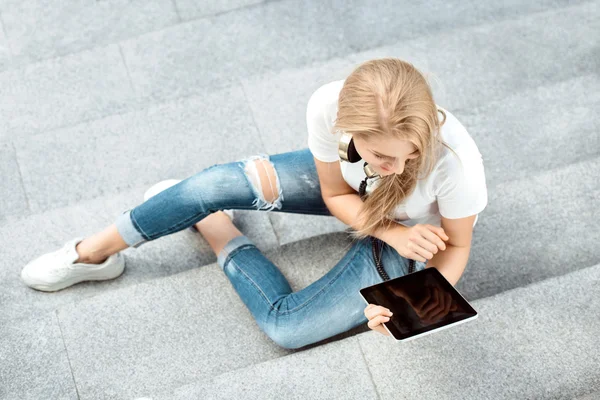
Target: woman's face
{"type": "Point", "coordinates": [386, 156]}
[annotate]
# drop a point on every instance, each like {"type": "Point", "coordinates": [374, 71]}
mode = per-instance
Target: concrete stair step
{"type": "Point", "coordinates": [468, 69]}
{"type": "Point", "coordinates": [270, 111]}
{"type": "Point", "coordinates": [99, 126]}
{"type": "Point", "coordinates": [121, 75]}
{"type": "Point", "coordinates": [538, 341]}
{"type": "Point", "coordinates": [25, 239]}
{"type": "Point", "coordinates": [192, 326]}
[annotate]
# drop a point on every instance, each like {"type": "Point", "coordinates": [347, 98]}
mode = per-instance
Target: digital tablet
{"type": "Point", "coordinates": [422, 303]}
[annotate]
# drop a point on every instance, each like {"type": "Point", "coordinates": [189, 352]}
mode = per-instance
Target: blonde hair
{"type": "Point", "coordinates": [389, 97]}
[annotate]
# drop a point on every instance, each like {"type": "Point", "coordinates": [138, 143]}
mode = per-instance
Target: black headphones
{"type": "Point", "coordinates": [348, 153]}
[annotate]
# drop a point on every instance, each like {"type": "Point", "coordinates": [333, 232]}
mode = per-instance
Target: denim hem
{"type": "Point", "coordinates": [233, 244]}
{"type": "Point", "coordinates": [127, 230]}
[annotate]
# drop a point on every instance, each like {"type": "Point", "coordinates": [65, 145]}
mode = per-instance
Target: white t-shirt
{"type": "Point", "coordinates": [450, 190]}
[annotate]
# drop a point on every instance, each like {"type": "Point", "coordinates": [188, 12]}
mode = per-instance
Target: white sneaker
{"type": "Point", "coordinates": [163, 185]}
{"type": "Point", "coordinates": [57, 270]}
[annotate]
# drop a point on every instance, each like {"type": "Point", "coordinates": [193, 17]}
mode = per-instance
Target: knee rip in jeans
{"type": "Point", "coordinates": [264, 179]}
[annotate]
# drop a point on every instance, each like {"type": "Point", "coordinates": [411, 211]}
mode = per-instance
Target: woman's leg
{"type": "Point", "coordinates": [327, 307]}
{"type": "Point", "coordinates": [286, 182]}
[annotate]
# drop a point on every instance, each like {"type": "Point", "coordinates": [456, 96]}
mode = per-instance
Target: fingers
{"type": "Point", "coordinates": [435, 236]}
{"type": "Point", "coordinates": [416, 256]}
{"type": "Point", "coordinates": [428, 243]}
{"type": "Point", "coordinates": [377, 316]}
{"type": "Point", "coordinates": [419, 247]}
{"type": "Point", "coordinates": [377, 321]}
{"type": "Point", "coordinates": [440, 231]}
{"type": "Point", "coordinates": [373, 310]}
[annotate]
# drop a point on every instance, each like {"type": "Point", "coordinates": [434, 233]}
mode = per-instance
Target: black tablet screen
{"type": "Point", "coordinates": [421, 301]}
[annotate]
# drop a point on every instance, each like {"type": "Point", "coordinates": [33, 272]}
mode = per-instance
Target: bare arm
{"type": "Point", "coordinates": [451, 262]}
{"type": "Point", "coordinates": [343, 202]}
{"type": "Point", "coordinates": [345, 207]}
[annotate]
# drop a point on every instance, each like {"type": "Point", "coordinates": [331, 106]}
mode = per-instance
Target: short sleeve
{"type": "Point", "coordinates": [462, 189]}
{"type": "Point", "coordinates": [322, 143]}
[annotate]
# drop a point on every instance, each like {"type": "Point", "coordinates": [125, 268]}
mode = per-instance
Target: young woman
{"type": "Point", "coordinates": [425, 187]}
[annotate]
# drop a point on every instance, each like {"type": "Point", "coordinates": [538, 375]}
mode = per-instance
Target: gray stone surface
{"type": "Point", "coordinates": [460, 83]}
{"type": "Point", "coordinates": [179, 314]}
{"type": "Point", "coordinates": [162, 334]}
{"type": "Point", "coordinates": [5, 57]}
{"type": "Point", "coordinates": [534, 229]}
{"type": "Point", "coordinates": [113, 154]}
{"type": "Point", "coordinates": [98, 101]}
{"type": "Point", "coordinates": [293, 227]}
{"type": "Point", "coordinates": [310, 259]}
{"type": "Point", "coordinates": [165, 64]}
{"type": "Point", "coordinates": [589, 396]}
{"type": "Point", "coordinates": [41, 29]}
{"type": "Point", "coordinates": [278, 102]}
{"type": "Point", "coordinates": [190, 9]}
{"type": "Point", "coordinates": [478, 64]}
{"type": "Point", "coordinates": [13, 201]}
{"type": "Point", "coordinates": [333, 371]}
{"type": "Point", "coordinates": [366, 26]}
{"type": "Point", "coordinates": [187, 328]}
{"type": "Point", "coordinates": [566, 128]}
{"type": "Point", "coordinates": [539, 341]}
{"type": "Point", "coordinates": [14, 102]}
{"type": "Point", "coordinates": [34, 363]}
{"type": "Point", "coordinates": [64, 91]}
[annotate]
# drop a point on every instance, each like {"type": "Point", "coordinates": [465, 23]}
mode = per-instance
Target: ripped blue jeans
{"type": "Point", "coordinates": [327, 307]}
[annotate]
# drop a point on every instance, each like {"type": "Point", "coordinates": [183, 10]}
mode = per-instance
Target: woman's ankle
{"type": "Point", "coordinates": [97, 248]}
{"type": "Point", "coordinates": [85, 257]}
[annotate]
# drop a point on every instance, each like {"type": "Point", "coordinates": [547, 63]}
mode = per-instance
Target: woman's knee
{"type": "Point", "coordinates": [263, 177]}
{"type": "Point", "coordinates": [256, 171]}
{"type": "Point", "coordinates": [284, 332]}
{"type": "Point", "coordinates": [288, 339]}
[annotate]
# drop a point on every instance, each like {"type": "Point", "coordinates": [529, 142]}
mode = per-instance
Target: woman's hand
{"type": "Point", "coordinates": [377, 315]}
{"type": "Point", "coordinates": [419, 242]}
